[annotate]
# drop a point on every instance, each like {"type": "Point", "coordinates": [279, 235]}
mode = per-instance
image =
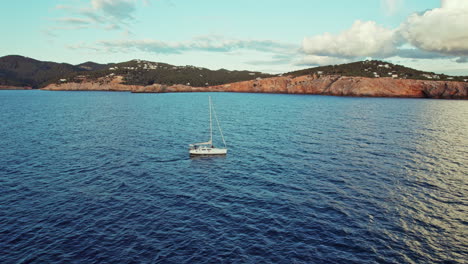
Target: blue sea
{"type": "Point", "coordinates": [105, 177]}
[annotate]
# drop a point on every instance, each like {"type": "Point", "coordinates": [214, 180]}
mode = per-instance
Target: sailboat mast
{"type": "Point", "coordinates": [219, 127]}
{"type": "Point", "coordinates": [211, 125]}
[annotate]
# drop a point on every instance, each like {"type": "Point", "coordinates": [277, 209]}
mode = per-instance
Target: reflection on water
{"type": "Point", "coordinates": [106, 177]}
{"type": "Point", "coordinates": [208, 158]}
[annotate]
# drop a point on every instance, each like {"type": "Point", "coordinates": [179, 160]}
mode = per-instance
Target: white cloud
{"type": "Point", "coordinates": [74, 20]}
{"type": "Point", "coordinates": [203, 43]}
{"type": "Point", "coordinates": [462, 60]}
{"type": "Point", "coordinates": [92, 14]}
{"type": "Point", "coordinates": [361, 40]}
{"type": "Point", "coordinates": [112, 27]}
{"type": "Point", "coordinates": [391, 7]}
{"type": "Point", "coordinates": [454, 4]}
{"type": "Point", "coordinates": [314, 60]}
{"type": "Point", "coordinates": [437, 33]}
{"type": "Point", "coordinates": [62, 7]}
{"type": "Point", "coordinates": [103, 14]}
{"type": "Point", "coordinates": [443, 30]}
{"type": "Point", "coordinates": [120, 9]}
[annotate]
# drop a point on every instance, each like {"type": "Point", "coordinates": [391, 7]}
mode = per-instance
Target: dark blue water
{"type": "Point", "coordinates": [103, 177]}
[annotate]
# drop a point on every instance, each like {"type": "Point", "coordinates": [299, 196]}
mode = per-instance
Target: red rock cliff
{"type": "Point", "coordinates": [9, 87]}
{"type": "Point", "coordinates": [308, 84]}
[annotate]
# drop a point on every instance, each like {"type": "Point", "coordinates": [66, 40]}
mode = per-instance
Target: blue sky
{"type": "Point", "coordinates": [269, 36]}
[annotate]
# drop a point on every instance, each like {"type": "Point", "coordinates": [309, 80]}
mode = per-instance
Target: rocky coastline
{"type": "Point", "coordinates": [9, 87]}
{"type": "Point", "coordinates": [307, 84]}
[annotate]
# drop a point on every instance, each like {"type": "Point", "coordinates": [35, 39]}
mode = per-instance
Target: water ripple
{"type": "Point", "coordinates": [105, 178]}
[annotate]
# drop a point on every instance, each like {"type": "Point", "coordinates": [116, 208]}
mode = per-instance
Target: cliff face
{"type": "Point", "coordinates": [336, 85]}
{"type": "Point", "coordinates": [9, 87]}
{"type": "Point", "coordinates": [114, 84]}
{"type": "Point", "coordinates": [307, 84]}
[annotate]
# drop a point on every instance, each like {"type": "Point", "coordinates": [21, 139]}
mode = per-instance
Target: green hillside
{"type": "Point", "coordinates": [376, 69]}
{"type": "Point", "coordinates": [22, 71]}
{"type": "Point", "coordinates": [140, 72]}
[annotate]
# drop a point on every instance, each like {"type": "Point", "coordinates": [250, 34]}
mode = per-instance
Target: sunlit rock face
{"type": "Point", "coordinates": [351, 86]}
{"type": "Point", "coordinates": [307, 84]}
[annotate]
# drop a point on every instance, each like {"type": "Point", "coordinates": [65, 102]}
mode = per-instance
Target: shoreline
{"type": "Point", "coordinates": [8, 88]}
{"type": "Point", "coordinates": [333, 85]}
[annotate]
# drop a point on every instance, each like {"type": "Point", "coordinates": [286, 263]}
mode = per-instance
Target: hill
{"type": "Point", "coordinates": [93, 66]}
{"type": "Point", "coordinates": [376, 69]}
{"type": "Point", "coordinates": [141, 72]}
{"type": "Point", "coordinates": [26, 72]}
{"type": "Point", "coordinates": [19, 71]}
{"type": "Point", "coordinates": [23, 71]}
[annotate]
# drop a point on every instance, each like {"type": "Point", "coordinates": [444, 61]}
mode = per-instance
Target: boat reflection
{"type": "Point", "coordinates": [207, 157]}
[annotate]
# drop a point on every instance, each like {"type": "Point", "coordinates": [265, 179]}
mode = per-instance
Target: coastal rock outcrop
{"type": "Point", "coordinates": [306, 84]}
{"type": "Point", "coordinates": [353, 86]}
{"type": "Point", "coordinates": [10, 87]}
{"type": "Point", "coordinates": [114, 84]}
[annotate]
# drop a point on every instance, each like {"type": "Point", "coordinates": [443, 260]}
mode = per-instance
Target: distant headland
{"type": "Point", "coordinates": [370, 78]}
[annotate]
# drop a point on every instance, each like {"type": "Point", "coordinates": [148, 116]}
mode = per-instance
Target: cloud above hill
{"type": "Point", "coordinates": [119, 9]}
{"type": "Point", "coordinates": [209, 43]}
{"type": "Point", "coordinates": [443, 30]}
{"type": "Point", "coordinates": [362, 39]}
{"type": "Point", "coordinates": [391, 7]}
{"type": "Point", "coordinates": [437, 33]}
{"type": "Point", "coordinates": [104, 14]}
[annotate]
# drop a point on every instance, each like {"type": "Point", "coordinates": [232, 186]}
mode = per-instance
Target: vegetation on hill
{"type": "Point", "coordinates": [376, 69]}
{"type": "Point", "coordinates": [27, 72]}
{"type": "Point", "coordinates": [23, 71]}
{"type": "Point", "coordinates": [92, 66]}
{"type": "Point", "coordinates": [139, 72]}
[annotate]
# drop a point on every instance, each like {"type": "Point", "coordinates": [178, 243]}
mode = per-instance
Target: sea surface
{"type": "Point", "coordinates": [105, 177]}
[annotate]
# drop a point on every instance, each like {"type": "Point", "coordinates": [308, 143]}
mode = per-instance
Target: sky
{"type": "Point", "coordinates": [272, 36]}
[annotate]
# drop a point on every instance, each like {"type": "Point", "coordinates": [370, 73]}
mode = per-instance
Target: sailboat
{"type": "Point", "coordinates": [207, 148]}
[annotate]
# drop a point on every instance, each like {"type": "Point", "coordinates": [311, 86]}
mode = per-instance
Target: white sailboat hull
{"type": "Point", "coordinates": [208, 151]}
{"type": "Point", "coordinates": [207, 148]}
